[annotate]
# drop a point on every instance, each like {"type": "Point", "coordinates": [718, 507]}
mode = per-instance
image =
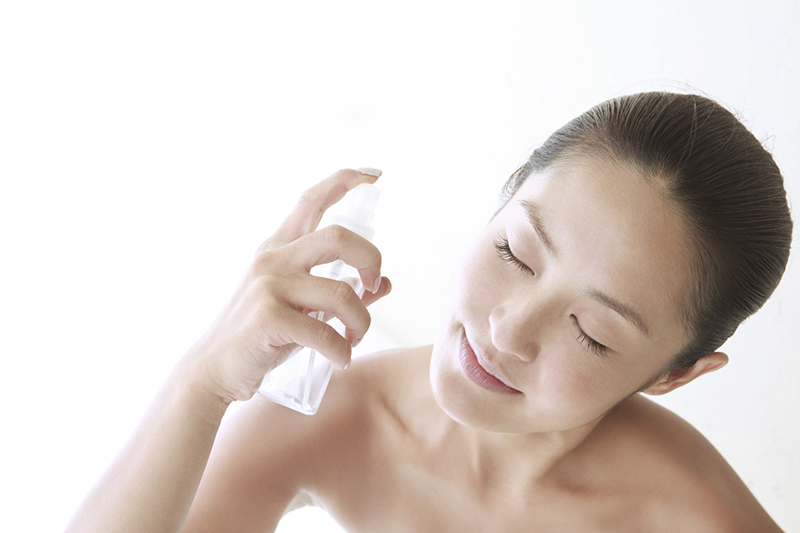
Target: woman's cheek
{"type": "Point", "coordinates": [575, 386]}
{"type": "Point", "coordinates": [476, 283]}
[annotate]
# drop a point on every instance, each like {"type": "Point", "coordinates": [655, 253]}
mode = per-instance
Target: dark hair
{"type": "Point", "coordinates": [727, 186]}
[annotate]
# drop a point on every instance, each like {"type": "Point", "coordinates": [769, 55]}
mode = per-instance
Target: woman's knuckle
{"type": "Point", "coordinates": [265, 300]}
{"type": "Point", "coordinates": [263, 286]}
{"type": "Point", "coordinates": [343, 175]}
{"type": "Point", "coordinates": [267, 291]}
{"type": "Point", "coordinates": [340, 180]}
{"type": "Point", "coordinates": [342, 293]}
{"type": "Point", "coordinates": [327, 335]}
{"type": "Point", "coordinates": [335, 234]}
{"type": "Point", "coordinates": [367, 320]}
{"type": "Point", "coordinates": [309, 201]}
{"type": "Point", "coordinates": [265, 246]}
{"type": "Point", "coordinates": [263, 261]}
{"type": "Point", "coordinates": [377, 257]}
{"type": "Point", "coordinates": [264, 314]}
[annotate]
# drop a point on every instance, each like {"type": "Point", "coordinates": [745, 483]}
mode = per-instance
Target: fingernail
{"type": "Point", "coordinates": [356, 344]}
{"type": "Point", "coordinates": [346, 365]}
{"type": "Point", "coordinates": [370, 171]}
{"type": "Point", "coordinates": [376, 285]}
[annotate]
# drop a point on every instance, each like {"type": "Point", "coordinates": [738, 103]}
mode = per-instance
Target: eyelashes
{"type": "Point", "coordinates": [505, 253]}
{"type": "Point", "coordinates": [503, 249]}
{"type": "Point", "coordinates": [590, 344]}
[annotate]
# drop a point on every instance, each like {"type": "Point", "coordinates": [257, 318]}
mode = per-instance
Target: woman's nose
{"type": "Point", "coordinates": [516, 331]}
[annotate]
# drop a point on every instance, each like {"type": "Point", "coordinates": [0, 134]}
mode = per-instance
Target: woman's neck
{"type": "Point", "coordinates": [514, 459]}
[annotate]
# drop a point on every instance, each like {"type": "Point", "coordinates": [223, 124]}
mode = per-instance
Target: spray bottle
{"type": "Point", "coordinates": [300, 382]}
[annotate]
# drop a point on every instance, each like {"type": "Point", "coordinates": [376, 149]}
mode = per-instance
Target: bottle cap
{"type": "Point", "coordinates": [360, 209]}
{"type": "Point", "coordinates": [363, 199]}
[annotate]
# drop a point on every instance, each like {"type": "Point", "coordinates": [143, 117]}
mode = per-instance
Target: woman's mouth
{"type": "Point", "coordinates": [476, 373]}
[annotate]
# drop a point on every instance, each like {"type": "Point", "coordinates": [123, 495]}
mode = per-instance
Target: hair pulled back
{"type": "Point", "coordinates": [725, 184]}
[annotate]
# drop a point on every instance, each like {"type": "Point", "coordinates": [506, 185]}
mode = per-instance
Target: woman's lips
{"type": "Point", "coordinates": [476, 373]}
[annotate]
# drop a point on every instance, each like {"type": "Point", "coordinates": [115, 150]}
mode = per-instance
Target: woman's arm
{"type": "Point", "coordinates": [151, 484]}
{"type": "Point", "coordinates": [267, 460]}
{"type": "Point", "coordinates": [153, 480]}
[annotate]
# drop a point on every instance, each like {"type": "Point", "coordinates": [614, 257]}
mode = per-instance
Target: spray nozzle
{"type": "Point", "coordinates": [361, 207]}
{"type": "Point", "coordinates": [357, 216]}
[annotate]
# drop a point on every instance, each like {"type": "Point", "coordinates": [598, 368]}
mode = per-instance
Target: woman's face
{"type": "Point", "coordinates": [567, 303]}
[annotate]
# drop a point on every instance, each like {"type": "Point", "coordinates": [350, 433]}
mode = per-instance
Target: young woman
{"type": "Point", "coordinates": [628, 249]}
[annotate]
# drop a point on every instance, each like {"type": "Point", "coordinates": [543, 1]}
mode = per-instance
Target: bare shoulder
{"type": "Point", "coordinates": [354, 400]}
{"type": "Point", "coordinates": [375, 394]}
{"type": "Point", "coordinates": [268, 459]}
{"type": "Point", "coordinates": [688, 483]}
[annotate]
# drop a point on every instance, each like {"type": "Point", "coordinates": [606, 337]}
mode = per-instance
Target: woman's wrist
{"type": "Point", "coordinates": [192, 386]}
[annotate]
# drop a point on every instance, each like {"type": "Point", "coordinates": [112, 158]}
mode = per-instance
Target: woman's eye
{"type": "Point", "coordinates": [590, 344]}
{"type": "Point", "coordinates": [505, 253]}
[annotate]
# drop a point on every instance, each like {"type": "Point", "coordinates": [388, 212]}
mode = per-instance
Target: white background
{"type": "Point", "coordinates": [147, 148]}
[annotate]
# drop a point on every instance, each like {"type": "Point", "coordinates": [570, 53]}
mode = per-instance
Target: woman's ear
{"type": "Point", "coordinates": [704, 365]}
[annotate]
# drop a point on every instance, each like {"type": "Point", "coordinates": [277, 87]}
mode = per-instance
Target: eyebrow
{"type": "Point", "coordinates": [621, 309]}
{"type": "Point", "coordinates": [533, 211]}
{"type": "Point", "coordinates": [535, 218]}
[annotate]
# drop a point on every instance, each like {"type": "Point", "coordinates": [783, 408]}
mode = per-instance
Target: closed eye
{"type": "Point", "coordinates": [588, 342]}
{"type": "Point", "coordinates": [505, 253]}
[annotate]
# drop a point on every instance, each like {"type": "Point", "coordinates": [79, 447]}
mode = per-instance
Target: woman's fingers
{"type": "Point", "coordinates": [326, 340]}
{"type": "Point", "coordinates": [368, 299]}
{"type": "Point", "coordinates": [334, 299]}
{"type": "Point", "coordinates": [316, 334]}
{"type": "Point", "coordinates": [313, 203]}
{"type": "Point", "coordinates": [267, 318]}
{"type": "Point", "coordinates": [338, 299]}
{"type": "Point", "coordinates": [333, 243]}
{"type": "Point", "coordinates": [320, 247]}
{"type": "Point", "coordinates": [384, 289]}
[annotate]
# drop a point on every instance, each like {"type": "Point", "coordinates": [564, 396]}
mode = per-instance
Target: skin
{"type": "Point", "coordinates": [406, 440]}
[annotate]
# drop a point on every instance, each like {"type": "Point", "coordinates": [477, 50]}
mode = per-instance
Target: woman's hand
{"type": "Point", "coordinates": [152, 482]}
{"type": "Point", "coordinates": [268, 315]}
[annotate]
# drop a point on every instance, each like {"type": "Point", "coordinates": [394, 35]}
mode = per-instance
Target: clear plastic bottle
{"type": "Point", "coordinates": [300, 382]}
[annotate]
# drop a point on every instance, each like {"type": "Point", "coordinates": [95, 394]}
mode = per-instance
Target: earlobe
{"type": "Point", "coordinates": [704, 365]}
